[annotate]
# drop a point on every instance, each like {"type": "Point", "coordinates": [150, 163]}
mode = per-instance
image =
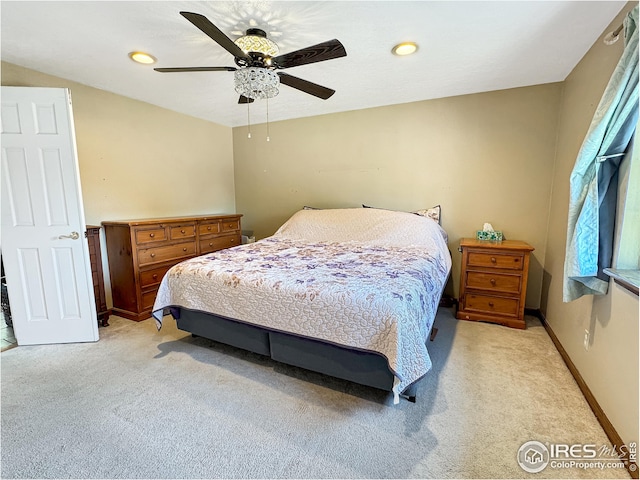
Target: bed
{"type": "Point", "coordinates": [350, 293]}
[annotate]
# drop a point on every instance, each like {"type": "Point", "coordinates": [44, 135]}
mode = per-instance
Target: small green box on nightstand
{"type": "Point", "coordinates": [490, 236]}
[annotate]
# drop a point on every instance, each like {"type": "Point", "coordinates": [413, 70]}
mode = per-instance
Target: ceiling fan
{"type": "Point", "coordinates": [257, 59]}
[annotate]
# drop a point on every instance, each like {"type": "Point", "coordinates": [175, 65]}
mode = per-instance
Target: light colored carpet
{"type": "Point", "coordinates": [146, 404]}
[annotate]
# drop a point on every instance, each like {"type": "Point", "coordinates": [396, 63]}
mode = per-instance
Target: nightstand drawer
{"type": "Point", "coordinates": [495, 282]}
{"type": "Point", "coordinates": [493, 305]}
{"type": "Point", "coordinates": [511, 261]}
{"type": "Point", "coordinates": [169, 252]}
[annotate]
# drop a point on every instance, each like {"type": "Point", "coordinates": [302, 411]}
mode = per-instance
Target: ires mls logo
{"type": "Point", "coordinates": [533, 456]}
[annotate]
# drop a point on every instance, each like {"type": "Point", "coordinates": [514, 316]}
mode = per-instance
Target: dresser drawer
{"type": "Point", "coordinates": [493, 305]}
{"type": "Point", "coordinates": [154, 234]}
{"type": "Point", "coordinates": [511, 261]}
{"type": "Point", "coordinates": [495, 282]}
{"type": "Point", "coordinates": [168, 252]}
{"type": "Point", "coordinates": [148, 298]}
{"type": "Point", "coordinates": [182, 231]}
{"type": "Point", "coordinates": [153, 277]}
{"type": "Point", "coordinates": [230, 225]}
{"type": "Point", "coordinates": [209, 228]}
{"type": "Point", "coordinates": [218, 243]}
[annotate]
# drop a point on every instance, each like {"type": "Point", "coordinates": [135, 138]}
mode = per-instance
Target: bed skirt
{"type": "Point", "coordinates": [365, 368]}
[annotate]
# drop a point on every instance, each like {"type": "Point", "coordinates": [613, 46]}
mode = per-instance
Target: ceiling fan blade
{"type": "Point", "coordinates": [306, 86]}
{"type": "Point", "coordinates": [317, 53]}
{"type": "Point", "coordinates": [213, 32]}
{"type": "Point", "coordinates": [195, 69]}
{"type": "Point", "coordinates": [244, 99]}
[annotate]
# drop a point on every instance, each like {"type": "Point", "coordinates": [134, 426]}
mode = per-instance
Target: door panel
{"type": "Point", "coordinates": [67, 283]}
{"type": "Point", "coordinates": [53, 185]}
{"type": "Point", "coordinates": [16, 183]}
{"type": "Point", "coordinates": [45, 119]}
{"type": "Point", "coordinates": [32, 284]}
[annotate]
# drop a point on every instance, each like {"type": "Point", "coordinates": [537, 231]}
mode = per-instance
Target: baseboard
{"type": "Point", "coordinates": [607, 426]}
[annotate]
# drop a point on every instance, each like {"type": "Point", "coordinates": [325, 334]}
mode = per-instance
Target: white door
{"type": "Point", "coordinates": [44, 249]}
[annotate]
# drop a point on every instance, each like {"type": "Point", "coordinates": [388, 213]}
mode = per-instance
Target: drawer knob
{"type": "Point", "coordinates": [155, 276]}
{"type": "Point", "coordinates": [492, 281]}
{"type": "Point", "coordinates": [184, 249]}
{"type": "Point", "coordinates": [152, 235]}
{"type": "Point", "coordinates": [493, 259]}
{"type": "Point", "coordinates": [233, 240]}
{"type": "Point", "coordinates": [231, 225]}
{"type": "Point", "coordinates": [211, 244]}
{"type": "Point", "coordinates": [209, 227]}
{"type": "Point", "coordinates": [181, 231]}
{"type": "Point", "coordinates": [153, 255]}
{"type": "Point", "coordinates": [491, 304]}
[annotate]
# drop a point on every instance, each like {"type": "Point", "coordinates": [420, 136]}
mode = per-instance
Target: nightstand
{"type": "Point", "coordinates": [493, 281]}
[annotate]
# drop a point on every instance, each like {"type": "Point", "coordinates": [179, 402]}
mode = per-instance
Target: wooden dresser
{"type": "Point", "coordinates": [493, 281]}
{"type": "Point", "coordinates": [141, 251]}
{"type": "Point", "coordinates": [95, 259]}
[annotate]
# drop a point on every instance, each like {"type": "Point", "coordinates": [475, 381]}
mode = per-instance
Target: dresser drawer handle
{"type": "Point", "coordinates": [231, 225]}
{"type": "Point", "coordinates": [493, 259]}
{"type": "Point", "coordinates": [211, 244]}
{"type": "Point", "coordinates": [184, 249]}
{"type": "Point", "coordinates": [181, 231]}
{"type": "Point", "coordinates": [209, 227]}
{"type": "Point", "coordinates": [155, 276]}
{"type": "Point", "coordinates": [492, 281]}
{"type": "Point", "coordinates": [153, 255]}
{"type": "Point", "coordinates": [152, 235]}
{"type": "Point", "coordinates": [491, 304]}
{"type": "Point", "coordinates": [233, 240]}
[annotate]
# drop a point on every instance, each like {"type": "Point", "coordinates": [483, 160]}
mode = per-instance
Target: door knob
{"type": "Point", "coordinates": [73, 236]}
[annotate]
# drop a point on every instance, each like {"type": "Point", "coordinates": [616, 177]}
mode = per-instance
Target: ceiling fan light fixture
{"type": "Point", "coordinates": [405, 48]}
{"type": "Point", "coordinates": [142, 57]}
{"type": "Point", "coordinates": [256, 82]}
{"type": "Point", "coordinates": [256, 41]}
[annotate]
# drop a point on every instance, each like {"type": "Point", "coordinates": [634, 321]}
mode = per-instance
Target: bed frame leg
{"type": "Point", "coordinates": [434, 332]}
{"type": "Point", "coordinates": [410, 393]}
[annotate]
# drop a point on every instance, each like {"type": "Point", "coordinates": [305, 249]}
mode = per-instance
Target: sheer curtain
{"type": "Point", "coordinates": [593, 184]}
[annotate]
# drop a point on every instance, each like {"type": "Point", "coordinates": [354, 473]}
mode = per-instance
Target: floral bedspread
{"type": "Point", "coordinates": [372, 297]}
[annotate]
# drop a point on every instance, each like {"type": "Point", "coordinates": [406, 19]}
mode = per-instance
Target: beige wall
{"type": "Point", "coordinates": [137, 160]}
{"type": "Point", "coordinates": [483, 158]}
{"type": "Point", "coordinates": [610, 366]}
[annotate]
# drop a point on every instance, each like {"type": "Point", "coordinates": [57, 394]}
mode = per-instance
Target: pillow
{"type": "Point", "coordinates": [433, 213]}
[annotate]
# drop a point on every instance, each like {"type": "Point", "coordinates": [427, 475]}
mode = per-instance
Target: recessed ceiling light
{"type": "Point", "coordinates": [142, 57]}
{"type": "Point", "coordinates": [405, 48]}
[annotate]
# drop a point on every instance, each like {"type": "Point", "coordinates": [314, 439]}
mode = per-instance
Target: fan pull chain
{"type": "Point", "coordinates": [248, 121]}
{"type": "Point", "coordinates": [268, 139]}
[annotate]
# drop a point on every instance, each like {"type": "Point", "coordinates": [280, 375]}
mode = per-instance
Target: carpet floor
{"type": "Point", "coordinates": [146, 404]}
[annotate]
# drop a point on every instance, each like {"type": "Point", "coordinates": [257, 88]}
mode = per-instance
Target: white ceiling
{"type": "Point", "coordinates": [465, 47]}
